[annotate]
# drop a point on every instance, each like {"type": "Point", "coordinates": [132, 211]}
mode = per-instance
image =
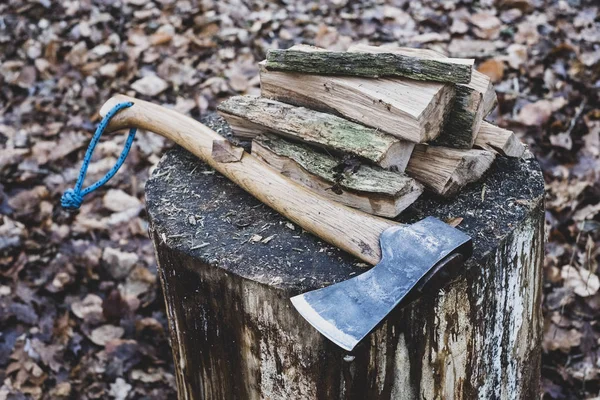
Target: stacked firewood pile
{"type": "Point", "coordinates": [373, 126]}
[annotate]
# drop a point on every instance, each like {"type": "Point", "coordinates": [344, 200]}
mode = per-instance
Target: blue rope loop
{"type": "Point", "coordinates": [72, 198]}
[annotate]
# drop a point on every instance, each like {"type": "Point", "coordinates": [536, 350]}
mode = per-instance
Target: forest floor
{"type": "Point", "coordinates": [81, 310]}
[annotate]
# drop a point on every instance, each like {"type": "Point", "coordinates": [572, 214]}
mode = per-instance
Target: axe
{"type": "Point", "coordinates": [408, 259]}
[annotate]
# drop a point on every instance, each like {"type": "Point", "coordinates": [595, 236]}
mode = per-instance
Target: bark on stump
{"type": "Point", "coordinates": [228, 266]}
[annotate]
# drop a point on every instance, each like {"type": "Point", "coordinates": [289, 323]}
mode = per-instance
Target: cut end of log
{"type": "Point", "coordinates": [499, 140]}
{"type": "Point", "coordinates": [473, 101]}
{"type": "Point", "coordinates": [241, 127]}
{"type": "Point", "coordinates": [463, 122]}
{"type": "Point", "coordinates": [444, 170]}
{"type": "Point", "coordinates": [397, 156]}
{"type": "Point", "coordinates": [483, 84]}
{"type": "Point", "coordinates": [367, 188]}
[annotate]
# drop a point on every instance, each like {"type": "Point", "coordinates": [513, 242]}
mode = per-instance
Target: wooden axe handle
{"type": "Point", "coordinates": [351, 230]}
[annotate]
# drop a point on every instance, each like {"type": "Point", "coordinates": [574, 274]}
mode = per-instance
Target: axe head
{"type": "Point", "coordinates": [413, 259]}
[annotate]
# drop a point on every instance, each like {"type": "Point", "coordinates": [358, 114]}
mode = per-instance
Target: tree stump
{"type": "Point", "coordinates": [228, 266]}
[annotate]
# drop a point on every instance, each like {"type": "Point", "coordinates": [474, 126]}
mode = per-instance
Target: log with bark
{"type": "Point", "coordinates": [253, 115]}
{"type": "Point", "coordinates": [227, 279]}
{"type": "Point", "coordinates": [499, 140]}
{"type": "Point", "coordinates": [409, 110]}
{"type": "Point", "coordinates": [473, 101]}
{"type": "Point", "coordinates": [479, 81]}
{"type": "Point", "coordinates": [367, 188]}
{"type": "Point", "coordinates": [446, 171]}
{"type": "Point", "coordinates": [324, 62]}
{"type": "Point", "coordinates": [441, 169]}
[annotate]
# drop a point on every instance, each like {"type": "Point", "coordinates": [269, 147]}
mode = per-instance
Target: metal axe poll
{"type": "Point", "coordinates": [408, 259]}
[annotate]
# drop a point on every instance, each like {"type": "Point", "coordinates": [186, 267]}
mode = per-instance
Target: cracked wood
{"type": "Point", "coordinates": [252, 115]}
{"type": "Point", "coordinates": [499, 140]}
{"type": "Point", "coordinates": [409, 110]}
{"type": "Point", "coordinates": [444, 170]}
{"type": "Point", "coordinates": [367, 188]}
{"type": "Point", "coordinates": [473, 101]}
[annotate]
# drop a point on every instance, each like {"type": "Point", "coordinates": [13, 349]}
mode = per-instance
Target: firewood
{"type": "Point", "coordinates": [464, 121]}
{"type": "Point", "coordinates": [371, 189]}
{"type": "Point", "coordinates": [473, 101]}
{"type": "Point", "coordinates": [496, 139]}
{"type": "Point", "coordinates": [370, 65]}
{"type": "Point", "coordinates": [410, 110]}
{"type": "Point", "coordinates": [445, 170]}
{"type": "Point", "coordinates": [316, 128]}
{"type": "Point", "coordinates": [479, 81]}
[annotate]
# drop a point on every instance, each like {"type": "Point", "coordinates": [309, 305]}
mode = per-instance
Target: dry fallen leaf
{"type": "Point", "coordinates": [469, 48]}
{"type": "Point", "coordinates": [120, 389]}
{"type": "Point", "coordinates": [105, 334]}
{"type": "Point", "coordinates": [487, 25]}
{"type": "Point", "coordinates": [583, 282]}
{"type": "Point", "coordinates": [117, 200]}
{"type": "Point", "coordinates": [493, 68]}
{"type": "Point", "coordinates": [536, 114]}
{"type": "Point", "coordinates": [118, 263]}
{"type": "Point", "coordinates": [557, 338]}
{"type": "Point", "coordinates": [90, 308]}
{"type": "Point", "coordinates": [516, 55]}
{"type": "Point", "coordinates": [455, 221]}
{"type": "Point", "coordinates": [150, 85]}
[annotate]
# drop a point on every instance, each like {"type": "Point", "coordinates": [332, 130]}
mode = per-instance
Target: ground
{"type": "Point", "coordinates": [80, 307]}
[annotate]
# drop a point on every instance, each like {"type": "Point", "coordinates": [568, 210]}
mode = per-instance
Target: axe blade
{"type": "Point", "coordinates": [347, 311]}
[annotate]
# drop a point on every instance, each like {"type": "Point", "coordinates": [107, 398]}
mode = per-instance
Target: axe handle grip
{"type": "Point", "coordinates": [351, 230]}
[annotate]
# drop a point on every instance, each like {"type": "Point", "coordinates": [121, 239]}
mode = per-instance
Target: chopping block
{"type": "Point", "coordinates": [229, 265]}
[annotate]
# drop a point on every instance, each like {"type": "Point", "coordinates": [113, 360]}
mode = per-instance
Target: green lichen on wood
{"type": "Point", "coordinates": [314, 127]}
{"type": "Point", "coordinates": [368, 65]}
{"type": "Point", "coordinates": [460, 131]}
{"type": "Point", "coordinates": [364, 178]}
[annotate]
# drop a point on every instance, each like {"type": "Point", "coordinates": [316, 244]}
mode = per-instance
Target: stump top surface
{"type": "Point", "coordinates": [199, 212]}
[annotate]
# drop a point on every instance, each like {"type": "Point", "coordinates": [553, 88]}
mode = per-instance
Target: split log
{"type": "Point", "coordinates": [370, 189]}
{"type": "Point", "coordinates": [473, 101]}
{"type": "Point", "coordinates": [441, 169]}
{"type": "Point", "coordinates": [228, 277]}
{"type": "Point", "coordinates": [368, 65]}
{"type": "Point", "coordinates": [446, 171]}
{"type": "Point", "coordinates": [464, 121]}
{"type": "Point", "coordinates": [316, 128]}
{"type": "Point", "coordinates": [499, 140]}
{"type": "Point", "coordinates": [479, 81]}
{"type": "Point", "coordinates": [409, 110]}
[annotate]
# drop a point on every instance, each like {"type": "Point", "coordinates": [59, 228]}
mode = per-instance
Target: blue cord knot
{"type": "Point", "coordinates": [72, 198]}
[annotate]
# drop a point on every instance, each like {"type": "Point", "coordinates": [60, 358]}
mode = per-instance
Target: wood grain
{"type": "Point", "coordinates": [351, 230]}
{"type": "Point", "coordinates": [479, 81]}
{"type": "Point", "coordinates": [445, 170]}
{"type": "Point", "coordinates": [409, 110]}
{"type": "Point", "coordinates": [499, 140]}
{"type": "Point", "coordinates": [473, 101]}
{"type": "Point", "coordinates": [370, 189]}
{"type": "Point", "coordinates": [316, 128]}
{"type": "Point", "coordinates": [370, 65]}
